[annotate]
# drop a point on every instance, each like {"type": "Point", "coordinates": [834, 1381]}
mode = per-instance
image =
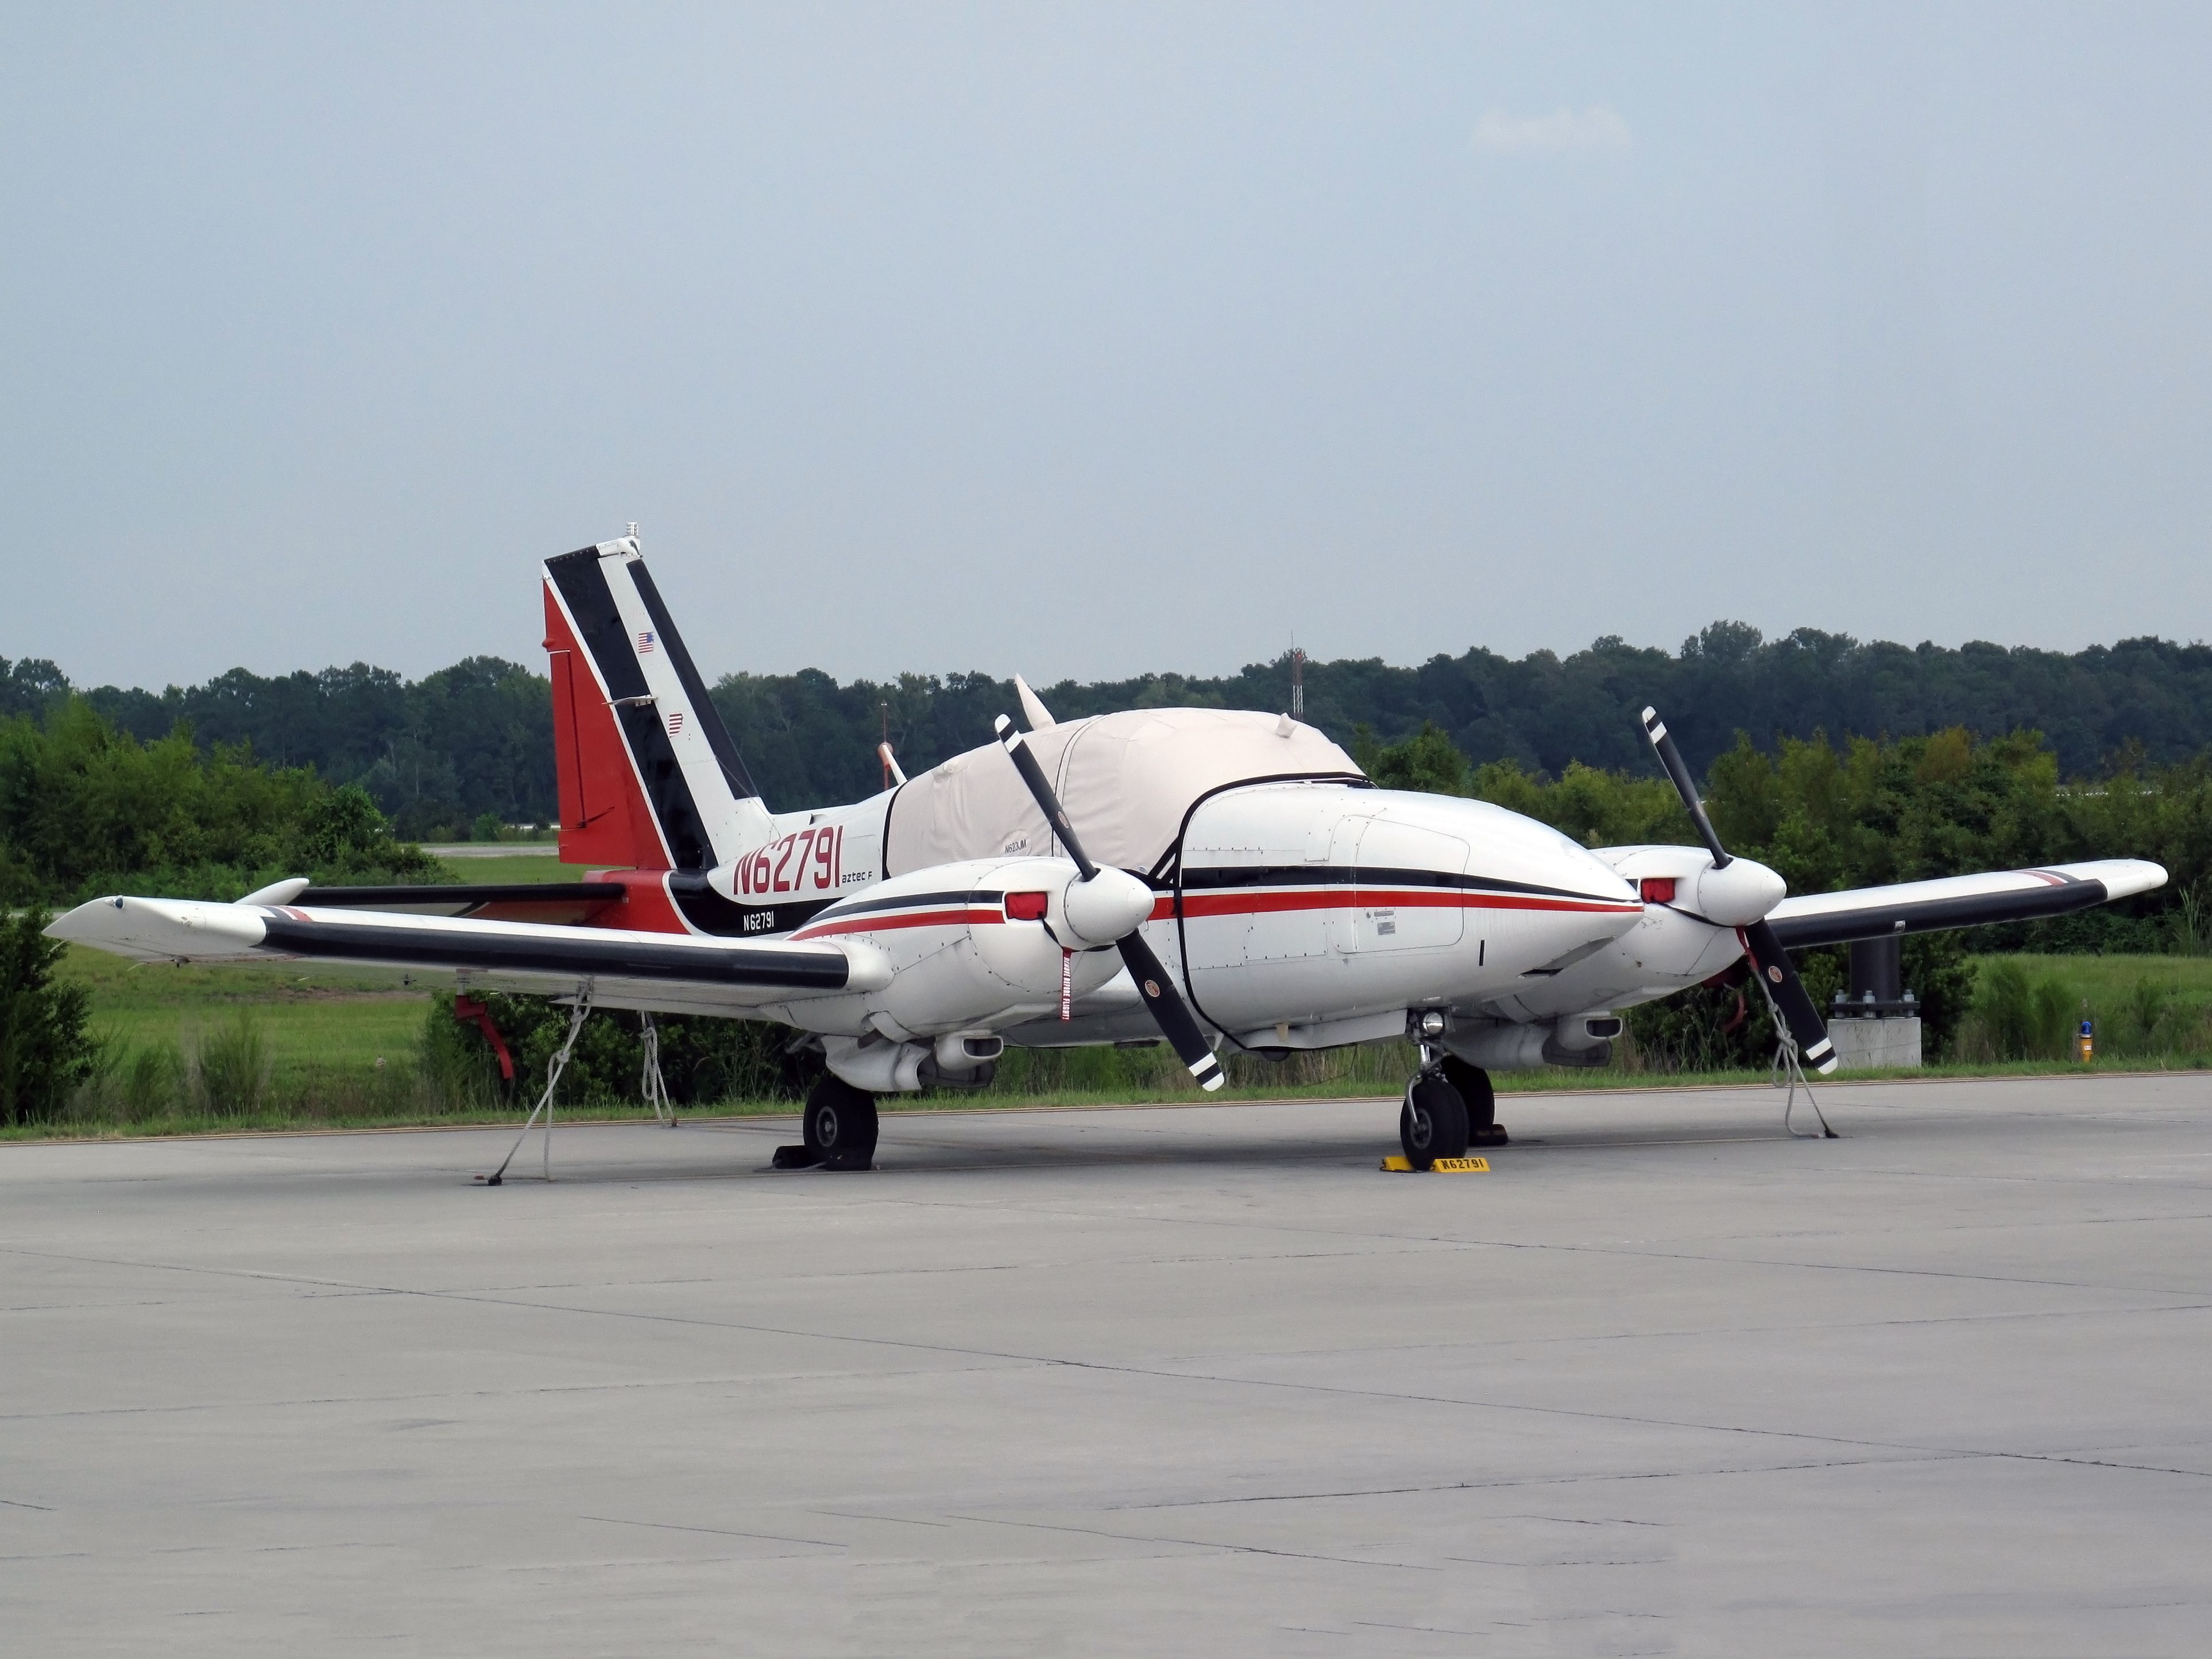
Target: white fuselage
{"type": "Point", "coordinates": [1298, 915]}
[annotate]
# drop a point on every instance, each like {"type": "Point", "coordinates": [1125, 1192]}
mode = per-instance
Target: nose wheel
{"type": "Point", "coordinates": [1449, 1108]}
{"type": "Point", "coordinates": [1432, 1123]}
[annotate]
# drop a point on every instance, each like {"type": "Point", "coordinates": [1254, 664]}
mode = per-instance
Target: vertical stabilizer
{"type": "Point", "coordinates": [649, 777]}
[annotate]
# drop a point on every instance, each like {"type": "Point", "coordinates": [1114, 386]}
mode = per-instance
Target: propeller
{"type": "Point", "coordinates": [1777, 972]}
{"type": "Point", "coordinates": [1168, 1010]}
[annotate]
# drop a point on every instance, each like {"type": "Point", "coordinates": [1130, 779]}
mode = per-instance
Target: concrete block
{"type": "Point", "coordinates": [1863, 1045]}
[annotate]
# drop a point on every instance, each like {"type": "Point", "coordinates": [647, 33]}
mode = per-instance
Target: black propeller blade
{"type": "Point", "coordinates": [1685, 786]}
{"type": "Point", "coordinates": [1776, 971]}
{"type": "Point", "coordinates": [1168, 1010]}
{"type": "Point", "coordinates": [1033, 774]}
{"type": "Point", "coordinates": [1790, 996]}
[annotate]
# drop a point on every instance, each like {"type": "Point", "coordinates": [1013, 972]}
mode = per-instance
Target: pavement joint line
{"type": "Point", "coordinates": [1681, 1334]}
{"type": "Point", "coordinates": [264, 1275]}
{"type": "Point", "coordinates": [635, 1384]}
{"type": "Point", "coordinates": [894, 1520]}
{"type": "Point", "coordinates": [718, 1532]}
{"type": "Point", "coordinates": [1194, 1543]}
{"type": "Point", "coordinates": [1516, 1481]}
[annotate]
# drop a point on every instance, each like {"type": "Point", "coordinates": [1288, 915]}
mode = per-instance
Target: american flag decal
{"type": "Point", "coordinates": [644, 644]}
{"type": "Point", "coordinates": [675, 722]}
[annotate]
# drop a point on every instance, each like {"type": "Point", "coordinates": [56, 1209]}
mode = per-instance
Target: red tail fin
{"type": "Point", "coordinates": [603, 816]}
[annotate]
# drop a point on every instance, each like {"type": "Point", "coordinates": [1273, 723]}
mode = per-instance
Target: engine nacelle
{"type": "Point", "coordinates": [959, 1060]}
{"type": "Point", "coordinates": [1572, 1040]}
{"type": "Point", "coordinates": [977, 945]}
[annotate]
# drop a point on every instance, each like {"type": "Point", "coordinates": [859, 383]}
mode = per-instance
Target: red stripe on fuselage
{"type": "Point", "coordinates": [1368, 898]}
{"type": "Point", "coordinates": [883, 924]}
{"type": "Point", "coordinates": [1240, 904]}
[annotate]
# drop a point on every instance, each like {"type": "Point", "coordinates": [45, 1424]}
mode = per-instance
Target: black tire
{"type": "Point", "coordinates": [1474, 1088]}
{"type": "Point", "coordinates": [840, 1125]}
{"type": "Point", "coordinates": [1432, 1123]}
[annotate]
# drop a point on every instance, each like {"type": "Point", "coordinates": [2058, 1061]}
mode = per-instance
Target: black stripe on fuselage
{"type": "Point", "coordinates": [1934, 914]}
{"type": "Point", "coordinates": [909, 902]}
{"type": "Point", "coordinates": [826, 970]}
{"type": "Point", "coordinates": [1214, 878]}
{"type": "Point", "coordinates": [581, 579]}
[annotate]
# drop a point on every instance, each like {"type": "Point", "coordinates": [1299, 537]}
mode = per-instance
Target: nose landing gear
{"type": "Point", "coordinates": [1449, 1106]}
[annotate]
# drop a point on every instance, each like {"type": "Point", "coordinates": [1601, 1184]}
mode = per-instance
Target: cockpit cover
{"type": "Point", "coordinates": [1126, 781]}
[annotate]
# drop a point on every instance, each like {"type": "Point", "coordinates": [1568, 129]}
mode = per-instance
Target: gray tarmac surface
{"type": "Point", "coordinates": [1143, 1380]}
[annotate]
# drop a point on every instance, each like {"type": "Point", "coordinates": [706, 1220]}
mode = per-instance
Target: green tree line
{"type": "Point", "coordinates": [88, 809]}
{"type": "Point", "coordinates": [439, 753]}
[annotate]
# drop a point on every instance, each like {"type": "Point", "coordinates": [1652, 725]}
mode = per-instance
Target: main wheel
{"type": "Point", "coordinates": [840, 1125]}
{"type": "Point", "coordinates": [1475, 1088]}
{"type": "Point", "coordinates": [1432, 1123]}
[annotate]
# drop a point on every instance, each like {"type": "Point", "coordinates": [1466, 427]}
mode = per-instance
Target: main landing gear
{"type": "Point", "coordinates": [839, 1129]}
{"type": "Point", "coordinates": [1449, 1106]}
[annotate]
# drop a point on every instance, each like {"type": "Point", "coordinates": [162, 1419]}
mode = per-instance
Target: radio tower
{"type": "Point", "coordinates": [1297, 684]}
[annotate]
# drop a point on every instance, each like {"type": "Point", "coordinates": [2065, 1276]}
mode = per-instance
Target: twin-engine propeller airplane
{"type": "Point", "coordinates": [1195, 874]}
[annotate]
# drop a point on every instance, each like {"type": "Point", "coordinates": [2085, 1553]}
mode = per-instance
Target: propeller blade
{"type": "Point", "coordinates": [1685, 786]}
{"type": "Point", "coordinates": [1033, 776]}
{"type": "Point", "coordinates": [1169, 1012]}
{"type": "Point", "coordinates": [1805, 1025]}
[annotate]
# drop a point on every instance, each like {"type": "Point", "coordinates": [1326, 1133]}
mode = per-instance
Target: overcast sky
{"type": "Point", "coordinates": [1091, 342]}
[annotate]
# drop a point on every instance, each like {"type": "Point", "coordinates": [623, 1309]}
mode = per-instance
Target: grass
{"type": "Point", "coordinates": [274, 1046]}
{"type": "Point", "coordinates": [2143, 1009]}
{"type": "Point", "coordinates": [515, 866]}
{"type": "Point", "coordinates": [309, 1016]}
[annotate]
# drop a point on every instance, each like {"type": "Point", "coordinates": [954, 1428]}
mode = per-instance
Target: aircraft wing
{"type": "Point", "coordinates": [1922, 907]}
{"type": "Point", "coordinates": [514, 901]}
{"type": "Point", "coordinates": [637, 969]}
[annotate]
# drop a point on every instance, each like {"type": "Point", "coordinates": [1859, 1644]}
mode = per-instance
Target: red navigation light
{"type": "Point", "coordinates": [1027, 906]}
{"type": "Point", "coordinates": [1658, 889]}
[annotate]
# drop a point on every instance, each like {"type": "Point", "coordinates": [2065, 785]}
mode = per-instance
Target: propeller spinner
{"type": "Point", "coordinates": [1776, 971]}
{"type": "Point", "coordinates": [1168, 1010]}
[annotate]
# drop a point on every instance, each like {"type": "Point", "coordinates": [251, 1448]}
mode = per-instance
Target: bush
{"type": "Point", "coordinates": [703, 1059]}
{"type": "Point", "coordinates": [231, 1070]}
{"type": "Point", "coordinates": [2016, 1017]}
{"type": "Point", "coordinates": [46, 1051]}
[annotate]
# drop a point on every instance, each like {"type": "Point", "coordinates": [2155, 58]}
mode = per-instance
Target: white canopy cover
{"type": "Point", "coordinates": [1126, 781]}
